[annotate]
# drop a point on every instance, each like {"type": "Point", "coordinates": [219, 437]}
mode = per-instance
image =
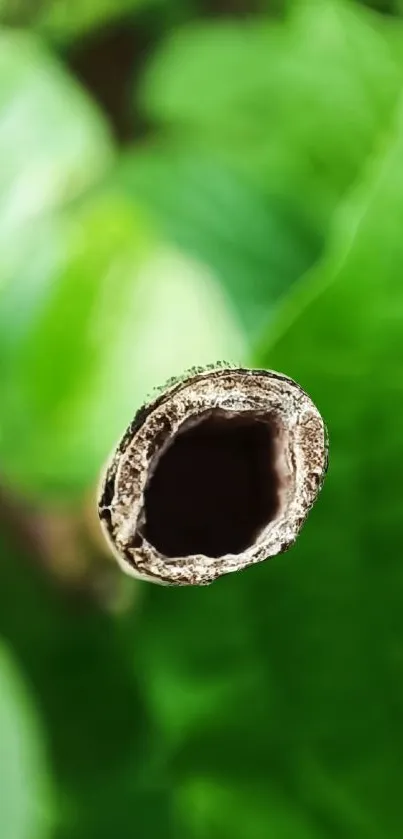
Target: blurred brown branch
{"type": "Point", "coordinates": [68, 545]}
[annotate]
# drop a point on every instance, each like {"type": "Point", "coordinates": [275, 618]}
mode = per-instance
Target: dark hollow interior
{"type": "Point", "coordinates": [214, 488]}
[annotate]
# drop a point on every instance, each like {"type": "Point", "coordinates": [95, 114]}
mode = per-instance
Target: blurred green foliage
{"type": "Point", "coordinates": [23, 798]}
{"type": "Point", "coordinates": [252, 213]}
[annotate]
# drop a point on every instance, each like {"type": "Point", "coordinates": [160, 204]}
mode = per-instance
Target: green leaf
{"type": "Point", "coordinates": [64, 20]}
{"type": "Point", "coordinates": [53, 142]}
{"type": "Point", "coordinates": [315, 89]}
{"type": "Point", "coordinates": [209, 809]}
{"type": "Point", "coordinates": [80, 664]}
{"type": "Point", "coordinates": [99, 315]}
{"type": "Point", "coordinates": [256, 243]}
{"type": "Point", "coordinates": [24, 784]}
{"type": "Point", "coordinates": [340, 336]}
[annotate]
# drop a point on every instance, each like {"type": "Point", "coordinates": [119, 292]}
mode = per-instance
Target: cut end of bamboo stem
{"type": "Point", "coordinates": [217, 473]}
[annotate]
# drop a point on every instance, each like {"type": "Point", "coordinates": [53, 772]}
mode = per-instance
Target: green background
{"type": "Point", "coordinates": [184, 182]}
